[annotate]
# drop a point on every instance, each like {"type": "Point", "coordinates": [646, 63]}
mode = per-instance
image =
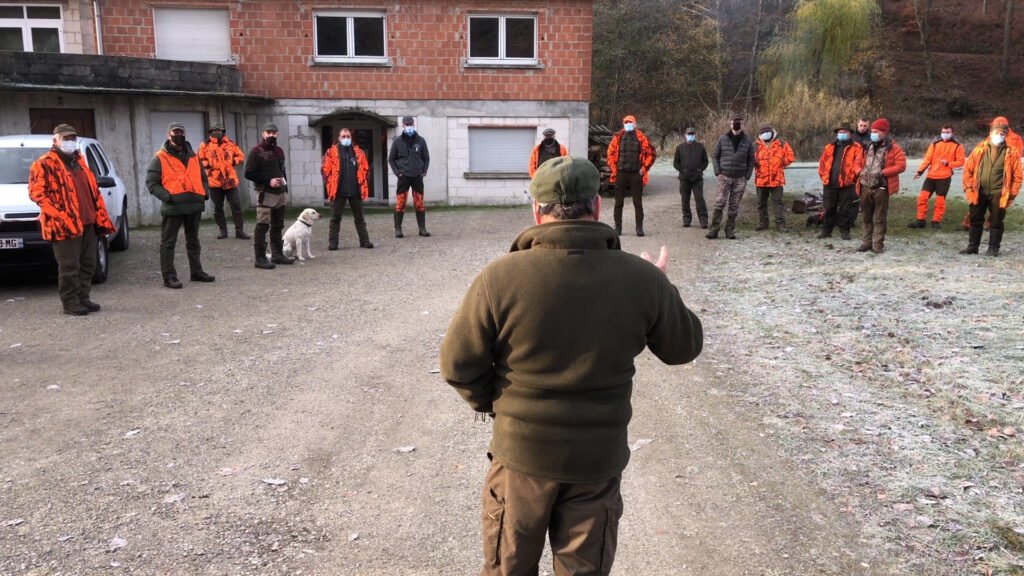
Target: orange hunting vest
{"type": "Point", "coordinates": [177, 178]}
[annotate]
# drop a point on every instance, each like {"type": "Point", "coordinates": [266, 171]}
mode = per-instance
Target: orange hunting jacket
{"type": "Point", "coordinates": [1013, 175]}
{"type": "Point", "coordinates": [853, 157]}
{"type": "Point", "coordinates": [52, 187]}
{"type": "Point", "coordinates": [770, 161]}
{"type": "Point", "coordinates": [330, 170]}
{"type": "Point", "coordinates": [647, 155]}
{"type": "Point", "coordinates": [950, 151]}
{"type": "Point", "coordinates": [219, 160]}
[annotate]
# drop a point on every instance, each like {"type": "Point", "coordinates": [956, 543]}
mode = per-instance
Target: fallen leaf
{"type": "Point", "coordinates": [174, 498]}
{"type": "Point", "coordinates": [404, 449]}
{"type": "Point", "coordinates": [227, 471]}
{"type": "Point", "coordinates": [1010, 431]}
{"type": "Point", "coordinates": [640, 444]}
{"type": "Point", "coordinates": [14, 522]}
{"type": "Point", "coordinates": [353, 537]}
{"type": "Point", "coordinates": [132, 432]}
{"type": "Point", "coordinates": [274, 481]}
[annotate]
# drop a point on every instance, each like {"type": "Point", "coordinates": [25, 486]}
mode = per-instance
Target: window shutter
{"type": "Point", "coordinates": [194, 122]}
{"type": "Point", "coordinates": [500, 149]}
{"type": "Point", "coordinates": [194, 35]}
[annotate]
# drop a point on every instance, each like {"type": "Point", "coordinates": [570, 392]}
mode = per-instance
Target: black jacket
{"type": "Point", "coordinates": [264, 163]}
{"type": "Point", "coordinates": [734, 163]}
{"type": "Point", "coordinates": [409, 156]}
{"type": "Point", "coordinates": [690, 161]}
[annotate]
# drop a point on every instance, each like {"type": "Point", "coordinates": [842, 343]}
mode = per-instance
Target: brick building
{"type": "Point", "coordinates": [482, 79]}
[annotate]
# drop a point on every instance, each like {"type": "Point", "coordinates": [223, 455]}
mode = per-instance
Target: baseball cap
{"type": "Point", "coordinates": [270, 127]}
{"type": "Point", "coordinates": [565, 180]}
{"type": "Point", "coordinates": [64, 129]}
{"type": "Point", "coordinates": [175, 126]}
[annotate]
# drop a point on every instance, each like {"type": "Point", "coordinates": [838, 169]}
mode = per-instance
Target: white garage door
{"type": "Point", "coordinates": [195, 127]}
{"type": "Point", "coordinates": [194, 35]}
{"type": "Point", "coordinates": [500, 150]}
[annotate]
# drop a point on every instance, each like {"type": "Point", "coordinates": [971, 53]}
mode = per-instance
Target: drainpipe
{"type": "Point", "coordinates": [99, 29]}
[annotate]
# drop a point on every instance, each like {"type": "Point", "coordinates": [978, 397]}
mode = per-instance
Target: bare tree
{"type": "Point", "coordinates": [922, 9]}
{"type": "Point", "coordinates": [1007, 30]}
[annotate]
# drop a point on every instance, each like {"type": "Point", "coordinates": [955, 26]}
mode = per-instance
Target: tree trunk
{"type": "Point", "coordinates": [753, 57]}
{"type": "Point", "coordinates": [1007, 29]}
{"type": "Point", "coordinates": [922, 9]}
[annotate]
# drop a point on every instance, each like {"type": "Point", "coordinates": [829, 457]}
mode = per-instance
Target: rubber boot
{"type": "Point", "coordinates": [716, 224]}
{"type": "Point", "coordinates": [639, 227]}
{"type": "Point", "coordinates": [995, 238]}
{"type": "Point", "coordinates": [259, 245]}
{"type": "Point", "coordinates": [399, 216]}
{"type": "Point", "coordinates": [222, 223]}
{"type": "Point", "coordinates": [421, 222]}
{"type": "Point", "coordinates": [618, 228]}
{"type": "Point", "coordinates": [239, 226]}
{"type": "Point", "coordinates": [973, 240]}
{"type": "Point", "coordinates": [277, 255]}
{"type": "Point", "coordinates": [730, 227]}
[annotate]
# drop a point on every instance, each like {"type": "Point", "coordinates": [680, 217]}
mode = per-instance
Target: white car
{"type": "Point", "coordinates": [21, 239]}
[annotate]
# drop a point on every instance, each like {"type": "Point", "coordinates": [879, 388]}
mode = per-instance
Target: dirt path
{"type": "Point", "coordinates": [138, 439]}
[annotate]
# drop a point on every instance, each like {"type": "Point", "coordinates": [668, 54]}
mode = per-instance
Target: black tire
{"type": "Point", "coordinates": [102, 261]}
{"type": "Point", "coordinates": [120, 241]}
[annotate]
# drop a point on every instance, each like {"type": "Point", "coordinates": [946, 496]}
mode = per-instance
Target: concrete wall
{"type": "Point", "coordinates": [109, 72]}
{"type": "Point", "coordinates": [123, 127]}
{"type": "Point", "coordinates": [444, 124]}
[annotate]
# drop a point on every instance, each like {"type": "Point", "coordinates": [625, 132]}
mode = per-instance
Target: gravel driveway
{"type": "Point", "coordinates": [292, 422]}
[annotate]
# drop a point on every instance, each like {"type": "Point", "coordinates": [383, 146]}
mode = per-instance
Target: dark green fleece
{"type": "Point", "coordinates": [545, 339]}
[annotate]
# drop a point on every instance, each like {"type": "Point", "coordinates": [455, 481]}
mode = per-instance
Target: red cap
{"type": "Point", "coordinates": [1001, 123]}
{"type": "Point", "coordinates": [629, 118]}
{"type": "Point", "coordinates": [882, 125]}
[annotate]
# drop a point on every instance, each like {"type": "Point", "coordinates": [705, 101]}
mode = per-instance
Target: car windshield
{"type": "Point", "coordinates": [15, 162]}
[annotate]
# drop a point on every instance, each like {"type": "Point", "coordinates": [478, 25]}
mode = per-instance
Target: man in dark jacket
{"type": "Point", "coordinates": [863, 134]}
{"type": "Point", "coordinates": [264, 167]}
{"type": "Point", "coordinates": [409, 160]}
{"type": "Point", "coordinates": [690, 161]}
{"type": "Point", "coordinates": [544, 343]}
{"type": "Point", "coordinates": [176, 178]}
{"type": "Point", "coordinates": [344, 168]}
{"type": "Point", "coordinates": [733, 160]}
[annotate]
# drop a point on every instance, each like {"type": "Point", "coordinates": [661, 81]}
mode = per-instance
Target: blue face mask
{"type": "Point", "coordinates": [691, 137]}
{"type": "Point", "coordinates": [629, 126]}
{"type": "Point", "coordinates": [875, 136]}
{"type": "Point", "coordinates": [997, 139]}
{"type": "Point", "coordinates": [766, 136]}
{"type": "Point", "coordinates": [946, 135]}
{"type": "Point", "coordinates": [346, 142]}
{"type": "Point", "coordinates": [843, 136]}
{"type": "Point", "coordinates": [409, 130]}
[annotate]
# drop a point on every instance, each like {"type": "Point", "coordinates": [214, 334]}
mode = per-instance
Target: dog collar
{"type": "Point", "coordinates": [307, 225]}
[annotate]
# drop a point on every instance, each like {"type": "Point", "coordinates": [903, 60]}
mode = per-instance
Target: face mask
{"type": "Point", "coordinates": [947, 135]}
{"type": "Point", "coordinates": [736, 126]}
{"type": "Point", "coordinates": [997, 139]}
{"type": "Point", "coordinates": [178, 140]}
{"type": "Point", "coordinates": [843, 136]}
{"type": "Point", "coordinates": [346, 142]}
{"type": "Point", "coordinates": [547, 141]}
{"type": "Point", "coordinates": [766, 136]}
{"type": "Point", "coordinates": [409, 130]}
{"type": "Point", "coordinates": [691, 137]}
{"type": "Point", "coordinates": [68, 146]}
{"type": "Point", "coordinates": [875, 136]}
{"type": "Point", "coordinates": [216, 135]}
{"type": "Point", "coordinates": [629, 126]}
{"type": "Point", "coordinates": [271, 140]}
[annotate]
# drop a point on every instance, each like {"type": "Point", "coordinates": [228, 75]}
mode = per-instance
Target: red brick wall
{"type": "Point", "coordinates": [426, 43]}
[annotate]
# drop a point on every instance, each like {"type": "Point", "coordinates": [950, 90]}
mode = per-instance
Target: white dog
{"type": "Point", "coordinates": [299, 235]}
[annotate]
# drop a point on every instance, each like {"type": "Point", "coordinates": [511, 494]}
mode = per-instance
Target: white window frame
{"type": "Point", "coordinates": [350, 37]}
{"type": "Point", "coordinates": [503, 60]}
{"type": "Point", "coordinates": [27, 24]}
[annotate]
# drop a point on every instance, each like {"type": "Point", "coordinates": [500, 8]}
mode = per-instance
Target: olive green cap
{"type": "Point", "coordinates": [565, 180]}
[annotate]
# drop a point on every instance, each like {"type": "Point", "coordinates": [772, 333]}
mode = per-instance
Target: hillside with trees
{"type": "Point", "coordinates": [806, 64]}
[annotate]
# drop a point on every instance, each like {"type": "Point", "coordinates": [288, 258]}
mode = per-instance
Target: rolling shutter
{"type": "Point", "coordinates": [196, 35]}
{"type": "Point", "coordinates": [194, 122]}
{"type": "Point", "coordinates": [501, 149]}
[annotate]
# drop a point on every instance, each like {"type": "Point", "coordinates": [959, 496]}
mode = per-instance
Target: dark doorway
{"type": "Point", "coordinates": [367, 140]}
{"type": "Point", "coordinates": [44, 120]}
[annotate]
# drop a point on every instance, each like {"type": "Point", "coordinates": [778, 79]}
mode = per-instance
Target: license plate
{"type": "Point", "coordinates": [11, 243]}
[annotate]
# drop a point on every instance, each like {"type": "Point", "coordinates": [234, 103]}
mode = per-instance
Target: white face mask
{"type": "Point", "coordinates": [629, 126]}
{"type": "Point", "coordinates": [68, 146]}
{"type": "Point", "coordinates": [766, 136]}
{"type": "Point", "coordinates": [346, 141]}
{"type": "Point", "coordinates": [997, 139]}
{"type": "Point", "coordinates": [946, 135]}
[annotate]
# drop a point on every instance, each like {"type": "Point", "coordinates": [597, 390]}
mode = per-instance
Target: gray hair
{"type": "Point", "coordinates": [570, 211]}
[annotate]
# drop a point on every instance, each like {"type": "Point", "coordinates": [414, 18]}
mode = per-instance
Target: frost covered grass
{"type": "Point", "coordinates": [897, 379]}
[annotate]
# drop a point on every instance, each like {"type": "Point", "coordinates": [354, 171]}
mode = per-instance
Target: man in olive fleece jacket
{"type": "Point", "coordinates": [544, 342]}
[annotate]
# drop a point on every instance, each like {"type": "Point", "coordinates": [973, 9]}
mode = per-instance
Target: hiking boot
{"type": "Point", "coordinates": [916, 224]}
{"type": "Point", "coordinates": [201, 277]}
{"type": "Point", "coordinates": [172, 282]}
{"type": "Point", "coordinates": [90, 305]}
{"type": "Point", "coordinates": [282, 259]}
{"type": "Point", "coordinates": [973, 240]}
{"type": "Point", "coordinates": [223, 234]}
{"type": "Point", "coordinates": [936, 225]}
{"type": "Point", "coordinates": [332, 244]}
{"type": "Point", "coordinates": [824, 234]}
{"type": "Point", "coordinates": [639, 230]}
{"type": "Point", "coordinates": [995, 238]}
{"type": "Point", "coordinates": [761, 226]}
{"type": "Point", "coordinates": [618, 228]}
{"type": "Point", "coordinates": [241, 235]}
{"type": "Point", "coordinates": [76, 310]}
{"type": "Point", "coordinates": [366, 244]}
{"type": "Point", "coordinates": [844, 234]}
{"type": "Point", "coordinates": [864, 248]}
